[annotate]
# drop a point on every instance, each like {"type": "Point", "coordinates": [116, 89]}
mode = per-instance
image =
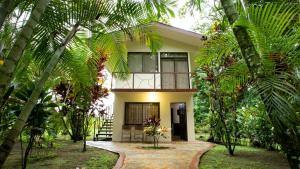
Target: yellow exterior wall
{"type": "Point", "coordinates": [165, 99]}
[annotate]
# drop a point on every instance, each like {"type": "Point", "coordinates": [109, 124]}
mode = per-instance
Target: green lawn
{"type": "Point", "coordinates": [245, 158]}
{"type": "Point", "coordinates": [65, 155]}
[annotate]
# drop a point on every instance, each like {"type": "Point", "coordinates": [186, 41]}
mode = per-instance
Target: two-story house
{"type": "Point", "coordinates": [158, 85]}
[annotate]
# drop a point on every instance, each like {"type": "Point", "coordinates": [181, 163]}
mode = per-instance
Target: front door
{"type": "Point", "coordinates": [178, 121]}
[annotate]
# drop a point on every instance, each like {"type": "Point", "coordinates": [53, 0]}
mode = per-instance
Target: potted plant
{"type": "Point", "coordinates": [154, 130]}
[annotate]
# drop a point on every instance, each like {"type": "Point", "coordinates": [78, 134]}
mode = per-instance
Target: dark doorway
{"type": "Point", "coordinates": [178, 121]}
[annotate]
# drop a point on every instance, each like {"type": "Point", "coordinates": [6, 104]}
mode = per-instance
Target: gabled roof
{"type": "Point", "coordinates": [178, 34]}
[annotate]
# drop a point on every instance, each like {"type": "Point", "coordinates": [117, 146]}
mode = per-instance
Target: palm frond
{"type": "Point", "coordinates": [217, 47]}
{"type": "Point", "coordinates": [234, 77]}
{"type": "Point", "coordinates": [278, 92]}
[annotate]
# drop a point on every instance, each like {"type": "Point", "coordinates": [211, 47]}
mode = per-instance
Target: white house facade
{"type": "Point", "coordinates": [159, 85]}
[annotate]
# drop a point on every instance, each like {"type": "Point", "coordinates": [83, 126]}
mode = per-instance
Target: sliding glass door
{"type": "Point", "coordinates": [175, 71]}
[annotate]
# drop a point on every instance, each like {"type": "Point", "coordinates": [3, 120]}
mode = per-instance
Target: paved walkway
{"type": "Point", "coordinates": [181, 155]}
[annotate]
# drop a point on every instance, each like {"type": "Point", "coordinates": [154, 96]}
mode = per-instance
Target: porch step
{"type": "Point", "coordinates": [102, 139]}
{"type": "Point", "coordinates": [107, 126]}
{"type": "Point", "coordinates": [105, 133]}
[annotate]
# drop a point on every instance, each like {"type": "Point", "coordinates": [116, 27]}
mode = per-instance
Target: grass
{"type": "Point", "coordinates": [65, 155]}
{"type": "Point", "coordinates": [244, 158]}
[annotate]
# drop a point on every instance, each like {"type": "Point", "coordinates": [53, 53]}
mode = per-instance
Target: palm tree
{"type": "Point", "coordinates": [6, 6]}
{"type": "Point", "coordinates": [10, 62]}
{"type": "Point", "coordinates": [102, 19]}
{"type": "Point", "coordinates": [45, 27]}
{"type": "Point", "coordinates": [268, 42]}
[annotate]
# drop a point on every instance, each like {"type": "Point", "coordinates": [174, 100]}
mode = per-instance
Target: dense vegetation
{"type": "Point", "coordinates": [53, 54]}
{"type": "Point", "coordinates": [250, 66]}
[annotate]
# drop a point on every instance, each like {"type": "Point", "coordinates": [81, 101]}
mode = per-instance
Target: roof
{"type": "Point", "coordinates": [178, 34]}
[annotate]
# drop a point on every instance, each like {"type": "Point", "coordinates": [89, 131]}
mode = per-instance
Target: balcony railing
{"type": "Point", "coordinates": [153, 80]}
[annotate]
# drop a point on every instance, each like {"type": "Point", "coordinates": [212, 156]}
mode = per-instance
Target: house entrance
{"type": "Point", "coordinates": [178, 121]}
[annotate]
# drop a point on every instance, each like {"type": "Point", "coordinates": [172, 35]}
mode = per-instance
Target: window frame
{"type": "Point", "coordinates": [143, 54]}
{"type": "Point", "coordinates": [174, 59]}
{"type": "Point", "coordinates": [179, 58]}
{"type": "Point", "coordinates": [125, 112]}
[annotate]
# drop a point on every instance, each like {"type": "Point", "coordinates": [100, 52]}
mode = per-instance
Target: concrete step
{"type": "Point", "coordinates": [108, 131]}
{"type": "Point", "coordinates": [102, 139]}
{"type": "Point", "coordinates": [104, 134]}
{"type": "Point", "coordinates": [107, 127]}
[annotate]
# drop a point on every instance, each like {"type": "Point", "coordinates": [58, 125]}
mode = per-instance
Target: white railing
{"type": "Point", "coordinates": [153, 80]}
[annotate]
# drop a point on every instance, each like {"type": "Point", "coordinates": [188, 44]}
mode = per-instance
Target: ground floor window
{"type": "Point", "coordinates": [137, 113]}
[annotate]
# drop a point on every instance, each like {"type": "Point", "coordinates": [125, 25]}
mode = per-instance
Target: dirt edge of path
{"type": "Point", "coordinates": [120, 161]}
{"type": "Point", "coordinates": [196, 159]}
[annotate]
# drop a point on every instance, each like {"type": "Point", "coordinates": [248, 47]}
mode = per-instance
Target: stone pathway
{"type": "Point", "coordinates": [181, 155]}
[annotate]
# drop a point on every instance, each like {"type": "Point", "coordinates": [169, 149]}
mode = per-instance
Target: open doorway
{"type": "Point", "coordinates": [178, 121]}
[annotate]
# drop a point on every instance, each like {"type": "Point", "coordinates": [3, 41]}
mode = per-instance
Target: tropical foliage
{"type": "Point", "coordinates": [264, 44]}
{"type": "Point", "coordinates": [53, 54]}
{"type": "Point", "coordinates": [61, 47]}
{"type": "Point", "coordinates": [154, 130]}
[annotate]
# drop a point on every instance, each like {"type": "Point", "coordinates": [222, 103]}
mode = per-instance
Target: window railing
{"type": "Point", "coordinates": [152, 80]}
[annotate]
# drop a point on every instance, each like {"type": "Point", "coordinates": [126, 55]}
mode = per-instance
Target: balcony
{"type": "Point", "coordinates": [154, 81]}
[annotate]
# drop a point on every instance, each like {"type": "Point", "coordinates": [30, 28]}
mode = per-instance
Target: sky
{"type": "Point", "coordinates": [188, 22]}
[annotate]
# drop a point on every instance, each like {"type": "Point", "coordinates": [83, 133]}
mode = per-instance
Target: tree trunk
{"type": "Point", "coordinates": [6, 7]}
{"type": "Point", "coordinates": [246, 45]}
{"type": "Point", "coordinates": [294, 160]}
{"type": "Point", "coordinates": [10, 139]}
{"type": "Point", "coordinates": [85, 130]}
{"type": "Point", "coordinates": [227, 142]}
{"type": "Point", "coordinates": [253, 62]}
{"type": "Point", "coordinates": [28, 148]}
{"type": "Point", "coordinates": [21, 143]}
{"type": "Point", "coordinates": [10, 63]}
{"type": "Point", "coordinates": [62, 112]}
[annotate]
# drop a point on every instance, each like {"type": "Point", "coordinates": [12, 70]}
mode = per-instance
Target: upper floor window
{"type": "Point", "coordinates": [175, 55]}
{"type": "Point", "coordinates": [142, 62]}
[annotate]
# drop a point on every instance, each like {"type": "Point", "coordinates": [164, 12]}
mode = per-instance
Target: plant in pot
{"type": "Point", "coordinates": [154, 130]}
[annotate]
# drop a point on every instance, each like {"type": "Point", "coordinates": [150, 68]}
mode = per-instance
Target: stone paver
{"type": "Point", "coordinates": [179, 156]}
